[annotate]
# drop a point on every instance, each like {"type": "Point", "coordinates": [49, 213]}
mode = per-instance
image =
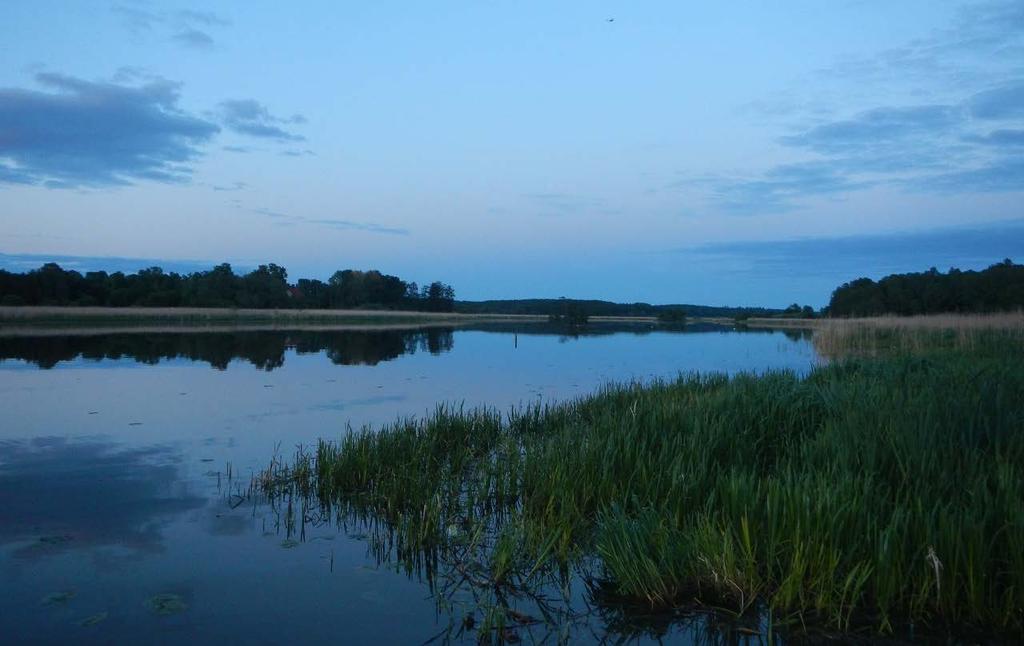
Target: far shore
{"type": "Point", "coordinates": [36, 320]}
{"type": "Point", "coordinates": [20, 315]}
{"type": "Point", "coordinates": [950, 321]}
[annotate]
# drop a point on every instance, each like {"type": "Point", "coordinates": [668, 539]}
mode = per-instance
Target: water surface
{"type": "Point", "coordinates": [125, 460]}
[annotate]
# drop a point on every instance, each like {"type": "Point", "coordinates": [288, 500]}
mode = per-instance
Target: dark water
{"type": "Point", "coordinates": [124, 459]}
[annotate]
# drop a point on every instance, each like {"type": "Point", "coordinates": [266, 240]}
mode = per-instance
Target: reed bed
{"type": "Point", "coordinates": [871, 496]}
{"type": "Point", "coordinates": [835, 338]}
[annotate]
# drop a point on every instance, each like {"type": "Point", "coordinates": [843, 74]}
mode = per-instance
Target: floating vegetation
{"type": "Point", "coordinates": [56, 598]}
{"type": "Point", "coordinates": [868, 496]}
{"type": "Point", "coordinates": [92, 620]}
{"type": "Point", "coordinates": [166, 604]}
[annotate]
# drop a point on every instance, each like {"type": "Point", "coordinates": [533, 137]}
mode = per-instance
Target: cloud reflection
{"type": "Point", "coordinates": [58, 495]}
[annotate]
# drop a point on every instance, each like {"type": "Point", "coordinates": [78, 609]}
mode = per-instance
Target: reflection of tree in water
{"type": "Point", "coordinates": [263, 349]}
{"type": "Point", "coordinates": [266, 349]}
{"type": "Point", "coordinates": [362, 348]}
{"type": "Point", "coordinates": [798, 334]}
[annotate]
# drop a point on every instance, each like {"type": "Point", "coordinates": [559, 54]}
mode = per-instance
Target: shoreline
{"type": "Point", "coordinates": [44, 320]}
{"type": "Point", "coordinates": [30, 319]}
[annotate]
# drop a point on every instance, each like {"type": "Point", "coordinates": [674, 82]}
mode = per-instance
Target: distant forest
{"type": "Point", "coordinates": [998, 288]}
{"type": "Point", "coordinates": [263, 288]}
{"type": "Point", "coordinates": [557, 306]}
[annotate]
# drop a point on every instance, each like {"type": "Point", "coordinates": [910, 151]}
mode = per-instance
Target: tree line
{"type": "Point", "coordinates": [263, 288]}
{"type": "Point", "coordinates": [557, 307]}
{"type": "Point", "coordinates": [998, 288]}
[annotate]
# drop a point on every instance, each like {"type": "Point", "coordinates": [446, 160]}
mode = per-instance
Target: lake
{"type": "Point", "coordinates": [126, 459]}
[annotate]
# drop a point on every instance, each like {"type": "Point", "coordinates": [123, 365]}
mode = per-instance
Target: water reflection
{"type": "Point", "coordinates": [58, 495]}
{"type": "Point", "coordinates": [262, 349]}
{"type": "Point", "coordinates": [109, 477]}
{"type": "Point", "coordinates": [266, 349]}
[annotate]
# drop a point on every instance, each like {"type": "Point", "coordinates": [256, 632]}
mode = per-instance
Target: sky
{"type": "Point", "coordinates": [721, 153]}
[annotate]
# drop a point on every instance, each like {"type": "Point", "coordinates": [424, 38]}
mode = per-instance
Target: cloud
{"type": "Point", "coordinates": [879, 126]}
{"type": "Point", "coordinates": [194, 38]}
{"type": "Point", "coordinates": [925, 147]}
{"type": "Point", "coordinates": [82, 133]}
{"type": "Point", "coordinates": [893, 140]}
{"type": "Point", "coordinates": [249, 117]}
{"type": "Point", "coordinates": [978, 45]}
{"type": "Point", "coordinates": [841, 258]}
{"type": "Point", "coordinates": [235, 186]}
{"type": "Point", "coordinates": [27, 262]}
{"type": "Point", "coordinates": [10, 175]}
{"type": "Point", "coordinates": [928, 147]}
{"type": "Point", "coordinates": [986, 26]}
{"type": "Point", "coordinates": [999, 138]}
{"type": "Point", "coordinates": [184, 25]}
{"type": "Point", "coordinates": [779, 189]}
{"type": "Point", "coordinates": [997, 176]}
{"type": "Point", "coordinates": [136, 19]}
{"type": "Point", "coordinates": [962, 142]}
{"type": "Point", "coordinates": [1005, 102]}
{"type": "Point", "coordinates": [91, 491]}
{"type": "Point", "coordinates": [207, 18]}
{"type": "Point", "coordinates": [284, 219]}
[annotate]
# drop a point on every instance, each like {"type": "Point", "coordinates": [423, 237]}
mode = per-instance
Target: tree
{"type": "Point", "coordinates": [573, 314]}
{"type": "Point", "coordinates": [672, 316]}
{"type": "Point", "coordinates": [265, 287]}
{"type": "Point", "coordinates": [438, 297]}
{"type": "Point", "coordinates": [998, 288]}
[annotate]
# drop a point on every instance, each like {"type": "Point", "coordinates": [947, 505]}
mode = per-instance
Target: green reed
{"type": "Point", "coordinates": [866, 495]}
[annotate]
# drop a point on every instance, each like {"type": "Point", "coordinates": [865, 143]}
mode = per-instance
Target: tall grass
{"type": "Point", "coordinates": [867, 495]}
{"type": "Point", "coordinates": [835, 338]}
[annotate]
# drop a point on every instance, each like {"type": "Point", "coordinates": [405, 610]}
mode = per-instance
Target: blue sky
{"type": "Point", "coordinates": [724, 153]}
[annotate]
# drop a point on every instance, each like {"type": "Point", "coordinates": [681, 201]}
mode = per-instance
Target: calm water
{"type": "Point", "coordinates": [121, 457]}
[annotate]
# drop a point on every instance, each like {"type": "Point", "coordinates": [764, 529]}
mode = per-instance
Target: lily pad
{"type": "Point", "coordinates": [92, 620]}
{"type": "Point", "coordinates": [58, 597]}
{"type": "Point", "coordinates": [166, 604]}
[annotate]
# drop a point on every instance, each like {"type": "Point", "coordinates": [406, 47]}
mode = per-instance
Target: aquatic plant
{"type": "Point", "coordinates": [870, 494]}
{"type": "Point", "coordinates": [55, 598]}
{"type": "Point", "coordinates": [166, 604]}
{"type": "Point", "coordinates": [92, 620]}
